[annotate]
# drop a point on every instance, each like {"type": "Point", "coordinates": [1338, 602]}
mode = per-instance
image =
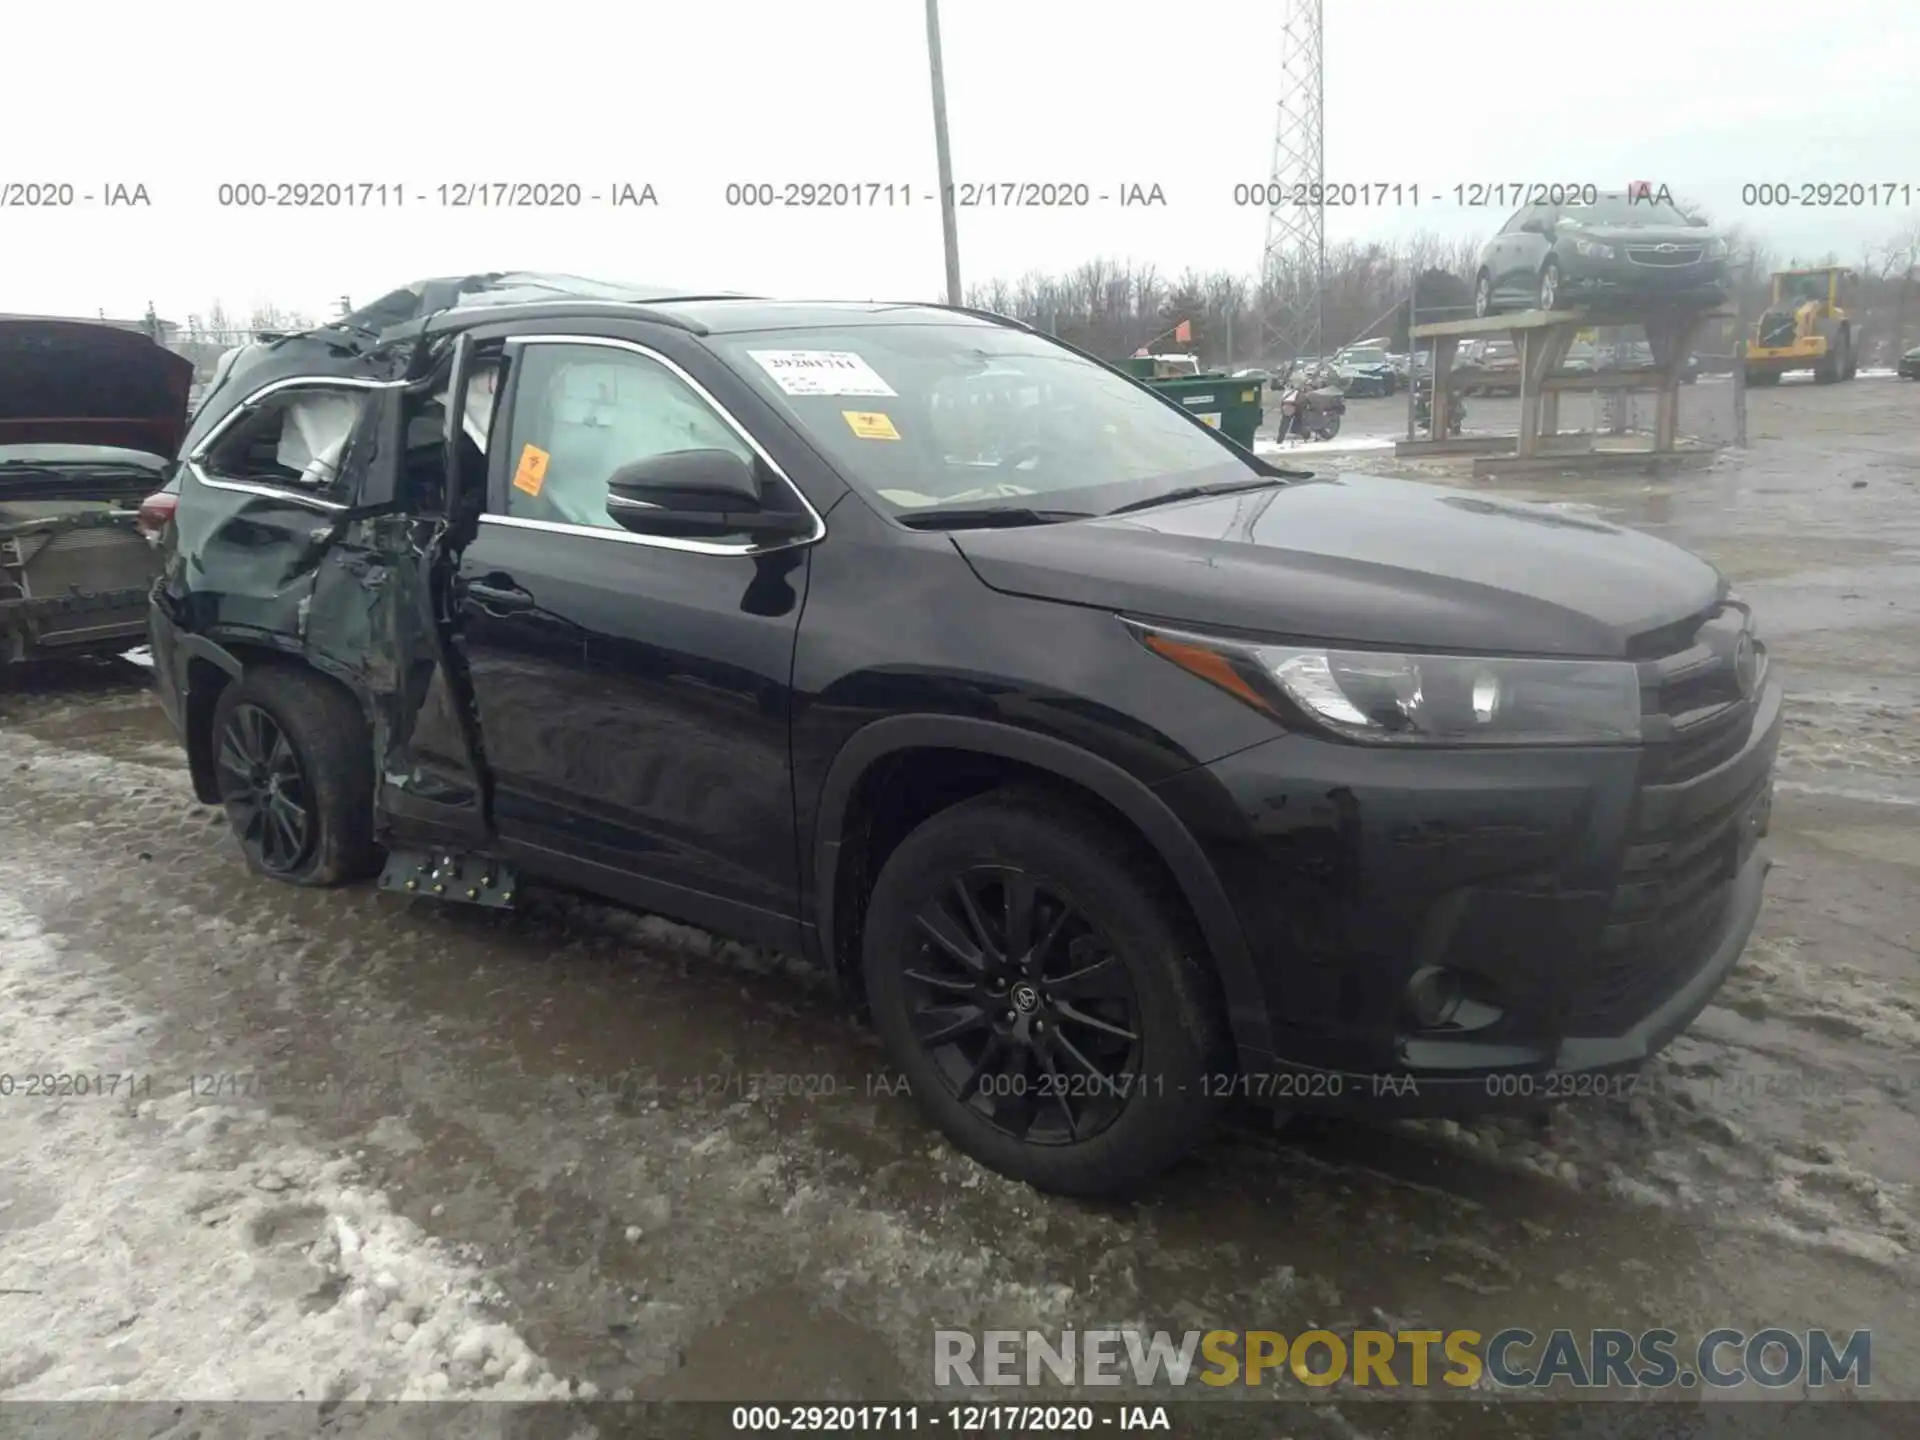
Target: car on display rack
{"type": "Point", "coordinates": [1117, 770]}
{"type": "Point", "coordinates": [1619, 248]}
{"type": "Point", "coordinates": [90, 417]}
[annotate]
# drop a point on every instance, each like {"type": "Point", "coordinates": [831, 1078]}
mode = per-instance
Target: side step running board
{"type": "Point", "coordinates": [471, 879]}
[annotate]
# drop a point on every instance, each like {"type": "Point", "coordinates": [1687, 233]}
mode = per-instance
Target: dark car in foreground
{"type": "Point", "coordinates": [1616, 250]}
{"type": "Point", "coordinates": [1909, 366]}
{"type": "Point", "coordinates": [90, 418]}
{"type": "Point", "coordinates": [1116, 770]}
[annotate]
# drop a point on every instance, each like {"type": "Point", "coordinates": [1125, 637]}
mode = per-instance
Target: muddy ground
{"type": "Point", "coordinates": [441, 1151]}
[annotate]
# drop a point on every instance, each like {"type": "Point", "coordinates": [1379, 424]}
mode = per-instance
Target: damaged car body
{"type": "Point", "coordinates": [90, 418]}
{"type": "Point", "coordinates": [1116, 770]}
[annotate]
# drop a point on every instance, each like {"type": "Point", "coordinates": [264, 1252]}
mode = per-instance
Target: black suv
{"type": "Point", "coordinates": [1118, 771]}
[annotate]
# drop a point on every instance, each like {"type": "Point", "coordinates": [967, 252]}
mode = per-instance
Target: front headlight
{"type": "Point", "coordinates": [1380, 697]}
{"type": "Point", "coordinates": [1593, 249]}
{"type": "Point", "coordinates": [1716, 250]}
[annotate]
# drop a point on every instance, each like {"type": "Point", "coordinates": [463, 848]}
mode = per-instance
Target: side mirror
{"type": "Point", "coordinates": [695, 492]}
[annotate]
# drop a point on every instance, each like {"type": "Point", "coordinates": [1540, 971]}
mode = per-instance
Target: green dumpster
{"type": "Point", "coordinates": [1231, 406]}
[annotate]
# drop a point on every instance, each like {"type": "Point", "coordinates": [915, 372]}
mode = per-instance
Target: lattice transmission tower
{"type": "Point", "coordinates": [1293, 264]}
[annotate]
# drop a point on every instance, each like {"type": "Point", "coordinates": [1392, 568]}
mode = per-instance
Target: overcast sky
{"type": "Point", "coordinates": [1704, 96]}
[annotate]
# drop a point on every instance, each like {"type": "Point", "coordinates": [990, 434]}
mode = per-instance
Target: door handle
{"type": "Point", "coordinates": [499, 599]}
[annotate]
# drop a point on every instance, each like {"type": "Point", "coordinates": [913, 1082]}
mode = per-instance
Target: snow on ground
{"type": "Point", "coordinates": [156, 1245]}
{"type": "Point", "coordinates": [1322, 447]}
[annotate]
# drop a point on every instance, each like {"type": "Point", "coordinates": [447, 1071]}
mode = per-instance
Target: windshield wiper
{"type": "Point", "coordinates": [1196, 492]}
{"type": "Point", "coordinates": [982, 517]}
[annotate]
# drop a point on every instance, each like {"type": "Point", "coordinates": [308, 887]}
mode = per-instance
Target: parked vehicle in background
{"type": "Point", "coordinates": [1487, 367]}
{"type": "Point", "coordinates": [1638, 355]}
{"type": "Point", "coordinates": [1363, 370]}
{"type": "Point", "coordinates": [1310, 412]}
{"type": "Point", "coordinates": [90, 418]}
{"type": "Point", "coordinates": [1909, 366]}
{"type": "Point", "coordinates": [1098, 754]}
{"type": "Point", "coordinates": [1547, 257]}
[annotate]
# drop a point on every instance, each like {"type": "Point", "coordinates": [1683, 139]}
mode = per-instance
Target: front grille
{"type": "Point", "coordinates": [1675, 876]}
{"type": "Point", "coordinates": [1777, 331]}
{"type": "Point", "coordinates": [1658, 255]}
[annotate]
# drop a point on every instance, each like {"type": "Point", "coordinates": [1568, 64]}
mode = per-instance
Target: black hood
{"type": "Point", "coordinates": [1364, 561]}
{"type": "Point", "coordinates": [66, 382]}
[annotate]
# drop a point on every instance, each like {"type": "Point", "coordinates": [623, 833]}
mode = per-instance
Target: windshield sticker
{"type": "Point", "coordinates": [531, 473]}
{"type": "Point", "coordinates": [870, 424]}
{"type": "Point", "coordinates": [821, 372]}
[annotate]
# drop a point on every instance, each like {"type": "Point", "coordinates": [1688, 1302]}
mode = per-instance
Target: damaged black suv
{"type": "Point", "coordinates": [1116, 770]}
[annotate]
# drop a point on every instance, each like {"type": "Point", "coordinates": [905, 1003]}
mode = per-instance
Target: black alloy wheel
{"type": "Point", "coordinates": [265, 789]}
{"type": "Point", "coordinates": [1023, 1008]}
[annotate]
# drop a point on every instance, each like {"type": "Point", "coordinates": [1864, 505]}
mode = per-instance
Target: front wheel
{"type": "Point", "coordinates": [1483, 296]}
{"type": "Point", "coordinates": [293, 763]}
{"type": "Point", "coordinates": [1038, 985]}
{"type": "Point", "coordinates": [1549, 291]}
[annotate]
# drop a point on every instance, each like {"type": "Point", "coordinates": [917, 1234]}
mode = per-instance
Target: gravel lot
{"type": "Point", "coordinates": [378, 1148]}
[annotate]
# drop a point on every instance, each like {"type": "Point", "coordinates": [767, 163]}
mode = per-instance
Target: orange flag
{"type": "Point", "coordinates": [1183, 332]}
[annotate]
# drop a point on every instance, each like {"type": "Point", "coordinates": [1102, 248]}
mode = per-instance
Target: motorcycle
{"type": "Point", "coordinates": [1310, 409]}
{"type": "Point", "coordinates": [1423, 408]}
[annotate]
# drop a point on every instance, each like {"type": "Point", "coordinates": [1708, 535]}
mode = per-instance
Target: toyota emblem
{"type": "Point", "coordinates": [1746, 665]}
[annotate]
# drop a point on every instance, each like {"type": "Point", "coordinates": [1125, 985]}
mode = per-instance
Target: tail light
{"type": "Point", "coordinates": [155, 511]}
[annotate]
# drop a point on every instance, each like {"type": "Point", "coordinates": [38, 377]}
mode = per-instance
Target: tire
{"type": "Point", "coordinates": [1483, 305]}
{"type": "Point", "coordinates": [1846, 362]}
{"type": "Point", "coordinates": [325, 771]}
{"type": "Point", "coordinates": [1127, 927]}
{"type": "Point", "coordinates": [1547, 294]}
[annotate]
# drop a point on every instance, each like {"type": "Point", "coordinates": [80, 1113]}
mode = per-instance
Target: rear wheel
{"type": "Point", "coordinates": [294, 766]}
{"type": "Point", "coordinates": [1040, 988]}
{"type": "Point", "coordinates": [1483, 296]}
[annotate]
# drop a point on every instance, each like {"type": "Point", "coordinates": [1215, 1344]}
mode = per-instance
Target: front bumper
{"type": "Point", "coordinates": [1361, 386]}
{"type": "Point", "coordinates": [1704, 282]}
{"type": "Point", "coordinates": [1593, 910]}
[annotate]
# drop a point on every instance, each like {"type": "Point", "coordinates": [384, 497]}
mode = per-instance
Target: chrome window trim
{"type": "Point", "coordinates": [194, 460]}
{"type": "Point", "coordinates": [668, 542]}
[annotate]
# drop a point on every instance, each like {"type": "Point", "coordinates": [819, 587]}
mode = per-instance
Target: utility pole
{"type": "Point", "coordinates": [1295, 255]}
{"type": "Point", "coordinates": [949, 230]}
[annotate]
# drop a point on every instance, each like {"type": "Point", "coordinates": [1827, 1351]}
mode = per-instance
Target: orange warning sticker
{"type": "Point", "coordinates": [532, 471]}
{"type": "Point", "coordinates": [870, 424]}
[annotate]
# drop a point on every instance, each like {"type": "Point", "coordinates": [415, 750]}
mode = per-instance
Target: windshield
{"type": "Point", "coordinates": [1618, 210]}
{"type": "Point", "coordinates": [79, 455]}
{"type": "Point", "coordinates": [1803, 287]}
{"type": "Point", "coordinates": [971, 415]}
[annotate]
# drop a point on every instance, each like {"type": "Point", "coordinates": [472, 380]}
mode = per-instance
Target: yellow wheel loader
{"type": "Point", "coordinates": [1806, 327]}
